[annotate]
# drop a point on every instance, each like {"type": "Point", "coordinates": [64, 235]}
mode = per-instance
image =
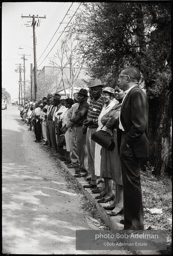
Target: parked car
{"type": "Point", "coordinates": [4, 105]}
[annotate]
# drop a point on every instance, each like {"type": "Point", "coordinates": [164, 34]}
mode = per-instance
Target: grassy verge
{"type": "Point", "coordinates": [157, 195]}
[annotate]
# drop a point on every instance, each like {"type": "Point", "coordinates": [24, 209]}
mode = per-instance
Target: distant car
{"type": "Point", "coordinates": [4, 105]}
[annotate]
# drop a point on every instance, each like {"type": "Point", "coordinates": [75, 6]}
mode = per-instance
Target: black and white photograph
{"type": "Point", "coordinates": [86, 128]}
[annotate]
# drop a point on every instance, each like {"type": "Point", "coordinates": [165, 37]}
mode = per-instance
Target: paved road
{"type": "Point", "coordinates": [41, 210]}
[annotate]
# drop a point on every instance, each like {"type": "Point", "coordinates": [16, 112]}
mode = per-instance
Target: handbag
{"type": "Point", "coordinates": [61, 140]}
{"type": "Point", "coordinates": [104, 139]}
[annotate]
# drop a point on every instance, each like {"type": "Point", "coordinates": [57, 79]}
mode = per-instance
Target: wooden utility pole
{"type": "Point", "coordinates": [31, 80]}
{"type": "Point", "coordinates": [19, 70]}
{"type": "Point", "coordinates": [35, 22]}
{"type": "Point", "coordinates": [24, 76]}
{"type": "Point", "coordinates": [71, 75]}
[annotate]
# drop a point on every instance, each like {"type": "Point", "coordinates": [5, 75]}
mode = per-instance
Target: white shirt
{"type": "Point", "coordinates": [61, 110]}
{"type": "Point", "coordinates": [49, 108]}
{"type": "Point", "coordinates": [125, 92]}
{"type": "Point", "coordinates": [71, 113]}
{"type": "Point", "coordinates": [29, 114]}
{"type": "Point", "coordinates": [37, 111]}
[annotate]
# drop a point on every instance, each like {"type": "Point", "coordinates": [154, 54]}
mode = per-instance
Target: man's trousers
{"type": "Point", "coordinates": [91, 154]}
{"type": "Point", "coordinates": [133, 208]}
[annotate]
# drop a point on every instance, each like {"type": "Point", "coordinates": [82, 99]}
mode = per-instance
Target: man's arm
{"type": "Point", "coordinates": [81, 113]}
{"type": "Point", "coordinates": [139, 116]}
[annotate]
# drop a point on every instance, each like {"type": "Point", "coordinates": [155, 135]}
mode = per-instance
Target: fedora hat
{"type": "Point", "coordinates": [57, 95]}
{"type": "Point", "coordinates": [83, 92]}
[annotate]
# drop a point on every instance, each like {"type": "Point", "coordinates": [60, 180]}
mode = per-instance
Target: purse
{"type": "Point", "coordinates": [61, 140]}
{"type": "Point", "coordinates": [104, 139]}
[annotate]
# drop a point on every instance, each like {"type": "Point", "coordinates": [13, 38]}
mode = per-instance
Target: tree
{"type": "Point", "coordinates": [45, 82]}
{"type": "Point", "coordinates": [5, 95]}
{"type": "Point", "coordinates": [68, 61]}
{"type": "Point", "coordinates": [115, 35]}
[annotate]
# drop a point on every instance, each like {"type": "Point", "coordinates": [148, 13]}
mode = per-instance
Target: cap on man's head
{"type": "Point", "coordinates": [49, 95]}
{"type": "Point", "coordinates": [95, 83]}
{"type": "Point", "coordinates": [108, 89]}
{"type": "Point", "coordinates": [57, 95]}
{"type": "Point", "coordinates": [83, 92]}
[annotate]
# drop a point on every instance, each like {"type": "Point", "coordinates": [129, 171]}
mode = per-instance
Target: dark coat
{"type": "Point", "coordinates": [134, 119]}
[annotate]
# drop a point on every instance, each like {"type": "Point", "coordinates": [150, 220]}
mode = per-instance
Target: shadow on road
{"type": "Point", "coordinates": [35, 216]}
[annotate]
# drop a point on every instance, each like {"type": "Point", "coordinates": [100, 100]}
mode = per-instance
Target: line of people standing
{"type": "Point", "coordinates": [66, 126]}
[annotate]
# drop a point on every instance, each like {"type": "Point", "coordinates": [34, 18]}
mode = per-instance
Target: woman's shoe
{"type": "Point", "coordinates": [100, 181]}
{"type": "Point", "coordinates": [67, 162]}
{"type": "Point", "coordinates": [90, 186]}
{"type": "Point", "coordinates": [101, 195]}
{"type": "Point", "coordinates": [96, 191]}
{"type": "Point", "coordinates": [105, 200]}
{"type": "Point", "coordinates": [72, 165]}
{"type": "Point", "coordinates": [109, 207]}
{"type": "Point", "coordinates": [88, 178]}
{"type": "Point", "coordinates": [116, 212]}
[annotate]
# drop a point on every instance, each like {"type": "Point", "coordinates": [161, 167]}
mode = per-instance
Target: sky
{"type": "Point", "coordinates": [15, 35]}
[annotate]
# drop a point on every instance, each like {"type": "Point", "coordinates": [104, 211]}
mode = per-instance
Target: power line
{"type": "Point", "coordinates": [60, 35]}
{"type": "Point", "coordinates": [52, 20]}
{"type": "Point", "coordinates": [55, 31]}
{"type": "Point", "coordinates": [35, 21]}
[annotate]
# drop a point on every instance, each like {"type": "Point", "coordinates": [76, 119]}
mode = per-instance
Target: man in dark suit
{"type": "Point", "coordinates": [134, 144]}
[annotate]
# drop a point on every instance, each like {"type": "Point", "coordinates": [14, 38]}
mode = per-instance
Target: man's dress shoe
{"type": "Point", "coordinates": [90, 186]}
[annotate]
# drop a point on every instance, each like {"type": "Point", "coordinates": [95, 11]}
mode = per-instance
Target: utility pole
{"type": "Point", "coordinates": [31, 80]}
{"type": "Point", "coordinates": [71, 75]}
{"type": "Point", "coordinates": [20, 81]}
{"type": "Point", "coordinates": [35, 21]}
{"type": "Point", "coordinates": [19, 70]}
{"type": "Point", "coordinates": [24, 76]}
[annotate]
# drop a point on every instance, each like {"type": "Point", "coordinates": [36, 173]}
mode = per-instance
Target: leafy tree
{"type": "Point", "coordinates": [114, 35]}
{"type": "Point", "coordinates": [5, 95]}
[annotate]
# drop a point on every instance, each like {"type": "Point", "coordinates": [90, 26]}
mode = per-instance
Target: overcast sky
{"type": "Point", "coordinates": [15, 35]}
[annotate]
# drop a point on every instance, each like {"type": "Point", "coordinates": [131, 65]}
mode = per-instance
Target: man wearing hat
{"type": "Point", "coordinates": [95, 107]}
{"type": "Point", "coordinates": [55, 108]}
{"type": "Point", "coordinates": [77, 120]}
{"type": "Point", "coordinates": [43, 122]}
{"type": "Point", "coordinates": [38, 130]}
{"type": "Point", "coordinates": [73, 152]}
{"type": "Point", "coordinates": [48, 117]}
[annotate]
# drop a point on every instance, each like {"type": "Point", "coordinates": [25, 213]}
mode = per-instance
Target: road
{"type": "Point", "coordinates": [41, 209]}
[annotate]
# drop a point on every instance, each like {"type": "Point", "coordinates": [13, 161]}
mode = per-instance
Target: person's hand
{"type": "Point", "coordinates": [64, 129]}
{"type": "Point", "coordinates": [84, 129]}
{"type": "Point", "coordinates": [88, 121]}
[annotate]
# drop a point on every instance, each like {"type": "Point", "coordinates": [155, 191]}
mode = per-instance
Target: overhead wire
{"type": "Point", "coordinates": [55, 31]}
{"type": "Point", "coordinates": [60, 35]}
{"type": "Point", "coordinates": [52, 20]}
